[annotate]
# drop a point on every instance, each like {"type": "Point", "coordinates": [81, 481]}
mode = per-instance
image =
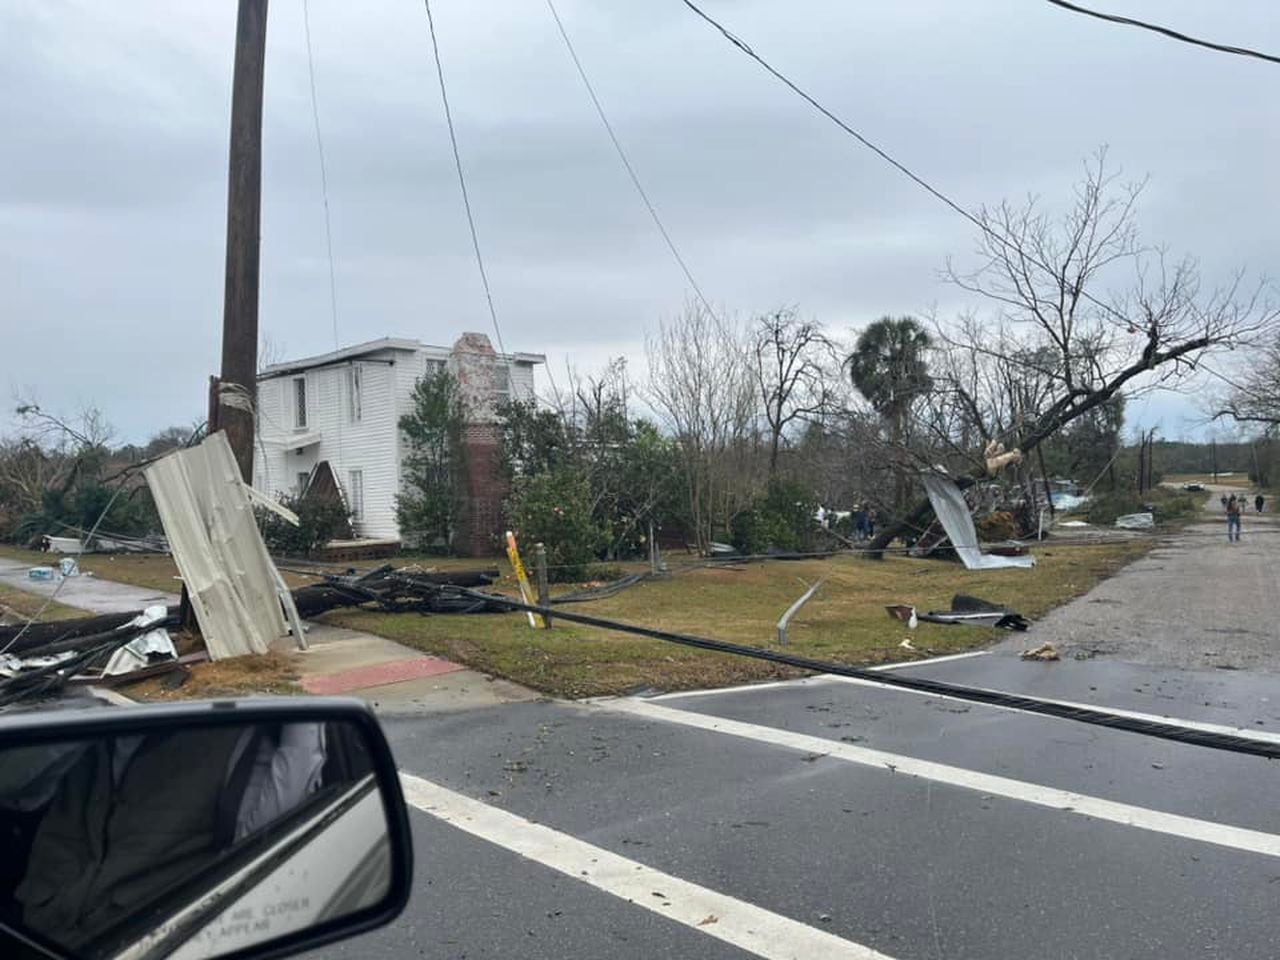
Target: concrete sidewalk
{"type": "Point", "coordinates": [84, 591]}
{"type": "Point", "coordinates": [393, 678]}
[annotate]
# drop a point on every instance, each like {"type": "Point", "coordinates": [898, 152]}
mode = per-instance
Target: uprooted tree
{"type": "Point", "coordinates": [1084, 313]}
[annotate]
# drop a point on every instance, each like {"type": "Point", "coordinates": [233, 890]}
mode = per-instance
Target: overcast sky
{"type": "Point", "coordinates": [113, 169]}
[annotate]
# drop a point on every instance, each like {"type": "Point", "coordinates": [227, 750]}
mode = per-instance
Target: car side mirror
{"type": "Point", "coordinates": [230, 829]}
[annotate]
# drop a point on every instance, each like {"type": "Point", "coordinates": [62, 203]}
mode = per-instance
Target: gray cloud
{"type": "Point", "coordinates": [112, 180]}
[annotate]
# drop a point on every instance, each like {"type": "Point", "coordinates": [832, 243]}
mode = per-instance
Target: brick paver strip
{"type": "Point", "coordinates": [378, 674]}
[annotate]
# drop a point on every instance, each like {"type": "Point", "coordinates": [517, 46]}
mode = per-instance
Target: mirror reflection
{"type": "Point", "coordinates": [188, 842]}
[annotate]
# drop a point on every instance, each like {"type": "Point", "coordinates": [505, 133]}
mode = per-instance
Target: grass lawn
{"type": "Point", "coordinates": [845, 622]}
{"type": "Point", "coordinates": [25, 604]}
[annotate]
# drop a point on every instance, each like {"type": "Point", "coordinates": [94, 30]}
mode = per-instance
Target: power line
{"type": "Point", "coordinates": [328, 228]}
{"type": "Point", "coordinates": [626, 163]}
{"type": "Point", "coordinates": [1165, 31]}
{"type": "Point", "coordinates": [462, 180]}
{"type": "Point", "coordinates": [324, 176]}
{"type": "Point", "coordinates": [898, 165]}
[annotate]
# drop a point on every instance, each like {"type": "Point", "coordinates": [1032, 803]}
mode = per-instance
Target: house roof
{"type": "Point", "coordinates": [373, 346]}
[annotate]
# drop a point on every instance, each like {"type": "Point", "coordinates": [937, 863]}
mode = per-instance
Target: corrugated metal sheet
{"type": "Point", "coordinates": [234, 587]}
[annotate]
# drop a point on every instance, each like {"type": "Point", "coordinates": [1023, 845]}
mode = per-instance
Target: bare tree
{"type": "Point", "coordinates": [700, 384]}
{"type": "Point", "coordinates": [788, 362]}
{"type": "Point", "coordinates": [1084, 312]}
{"type": "Point", "coordinates": [1251, 394]}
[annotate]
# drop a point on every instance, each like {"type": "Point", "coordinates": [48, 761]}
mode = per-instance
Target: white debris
{"type": "Point", "coordinates": [1136, 521]}
{"type": "Point", "coordinates": [949, 504]}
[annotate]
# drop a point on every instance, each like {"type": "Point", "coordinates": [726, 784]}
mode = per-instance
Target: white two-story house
{"type": "Point", "coordinates": [339, 412]}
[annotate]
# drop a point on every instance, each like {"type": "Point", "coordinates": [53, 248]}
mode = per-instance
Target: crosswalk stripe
{"type": "Point", "coordinates": [1172, 824]}
{"type": "Point", "coordinates": [745, 925]}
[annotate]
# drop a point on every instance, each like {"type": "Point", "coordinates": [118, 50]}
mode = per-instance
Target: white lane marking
{"type": "Point", "coordinates": [927, 661]}
{"type": "Point", "coordinates": [802, 681]}
{"type": "Point", "coordinates": [752, 928]}
{"type": "Point", "coordinates": [1262, 736]}
{"type": "Point", "coordinates": [1204, 831]}
{"type": "Point", "coordinates": [741, 688]}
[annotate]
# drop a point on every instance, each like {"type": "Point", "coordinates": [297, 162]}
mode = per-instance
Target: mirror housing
{"type": "Point", "coordinates": [229, 829]}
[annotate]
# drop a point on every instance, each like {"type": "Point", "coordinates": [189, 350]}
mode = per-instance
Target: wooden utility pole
{"type": "Point", "coordinates": [238, 382]}
{"type": "Point", "coordinates": [1213, 452]}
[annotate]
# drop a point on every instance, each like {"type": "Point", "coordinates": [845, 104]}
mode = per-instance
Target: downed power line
{"type": "Point", "coordinates": [996, 698]}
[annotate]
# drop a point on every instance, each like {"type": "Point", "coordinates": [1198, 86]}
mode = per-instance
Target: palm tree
{"type": "Point", "coordinates": [888, 367]}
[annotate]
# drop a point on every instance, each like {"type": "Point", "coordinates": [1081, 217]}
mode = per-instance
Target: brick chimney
{"type": "Point", "coordinates": [477, 368]}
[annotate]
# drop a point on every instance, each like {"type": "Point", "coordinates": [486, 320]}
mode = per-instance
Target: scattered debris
{"type": "Point", "coordinates": [708, 920]}
{"type": "Point", "coordinates": [40, 573]}
{"type": "Point", "coordinates": [603, 592]}
{"type": "Point", "coordinates": [69, 567]}
{"type": "Point", "coordinates": [238, 597]}
{"type": "Point", "coordinates": [953, 512]}
{"type": "Point", "coordinates": [970, 611]}
{"type": "Point", "coordinates": [997, 458]}
{"type": "Point", "coordinates": [1046, 651]}
{"type": "Point", "coordinates": [398, 591]}
{"type": "Point", "coordinates": [1136, 521]}
{"type": "Point", "coordinates": [145, 649]}
{"type": "Point", "coordinates": [904, 612]}
{"type": "Point", "coordinates": [1074, 523]}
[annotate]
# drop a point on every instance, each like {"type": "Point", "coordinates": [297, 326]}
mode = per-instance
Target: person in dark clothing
{"type": "Point", "coordinates": [1258, 501]}
{"type": "Point", "coordinates": [1233, 519]}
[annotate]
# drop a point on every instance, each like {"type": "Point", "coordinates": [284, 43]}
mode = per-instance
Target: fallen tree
{"type": "Point", "coordinates": [1084, 313]}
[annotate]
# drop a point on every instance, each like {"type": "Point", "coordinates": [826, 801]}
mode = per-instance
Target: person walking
{"type": "Point", "coordinates": [1258, 501]}
{"type": "Point", "coordinates": [1233, 519]}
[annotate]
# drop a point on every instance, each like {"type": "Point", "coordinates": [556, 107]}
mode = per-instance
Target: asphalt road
{"type": "Point", "coordinates": [824, 818]}
{"type": "Point", "coordinates": [1194, 601]}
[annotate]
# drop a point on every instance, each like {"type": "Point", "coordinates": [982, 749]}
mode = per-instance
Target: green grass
{"type": "Point", "coordinates": [846, 622]}
{"type": "Point", "coordinates": [25, 604]}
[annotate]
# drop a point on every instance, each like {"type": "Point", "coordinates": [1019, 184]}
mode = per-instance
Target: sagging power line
{"type": "Point", "coordinates": [462, 179]}
{"type": "Point", "coordinates": [626, 163]}
{"type": "Point", "coordinates": [1165, 31]}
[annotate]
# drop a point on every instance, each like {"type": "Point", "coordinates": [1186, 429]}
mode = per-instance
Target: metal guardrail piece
{"type": "Point", "coordinates": [791, 610]}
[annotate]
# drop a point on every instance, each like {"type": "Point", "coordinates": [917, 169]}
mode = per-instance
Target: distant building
{"type": "Point", "coordinates": [338, 413]}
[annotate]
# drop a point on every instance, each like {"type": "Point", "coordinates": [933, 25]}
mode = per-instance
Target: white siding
{"type": "Point", "coordinates": [372, 445]}
{"type": "Point", "coordinates": [368, 445]}
{"type": "Point", "coordinates": [522, 382]}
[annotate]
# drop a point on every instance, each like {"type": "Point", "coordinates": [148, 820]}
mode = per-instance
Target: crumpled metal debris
{"type": "Point", "coordinates": [145, 649]}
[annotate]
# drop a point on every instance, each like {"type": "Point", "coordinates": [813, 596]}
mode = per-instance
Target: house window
{"type": "Point", "coordinates": [501, 383]}
{"type": "Point", "coordinates": [304, 477]}
{"type": "Point", "coordinates": [355, 410]}
{"type": "Point", "coordinates": [355, 492]}
{"type": "Point", "coordinates": [300, 402]}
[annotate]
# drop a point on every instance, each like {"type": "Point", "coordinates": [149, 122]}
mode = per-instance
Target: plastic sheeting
{"type": "Point", "coordinates": [949, 504]}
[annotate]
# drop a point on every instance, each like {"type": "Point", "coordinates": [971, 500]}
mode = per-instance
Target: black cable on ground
{"type": "Point", "coordinates": [996, 698]}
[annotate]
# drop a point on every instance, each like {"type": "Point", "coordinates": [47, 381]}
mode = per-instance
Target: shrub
{"type": "Point", "coordinates": [1167, 504]}
{"type": "Point", "coordinates": [319, 521]}
{"type": "Point", "coordinates": [782, 518]}
{"type": "Point", "coordinates": [554, 509]}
